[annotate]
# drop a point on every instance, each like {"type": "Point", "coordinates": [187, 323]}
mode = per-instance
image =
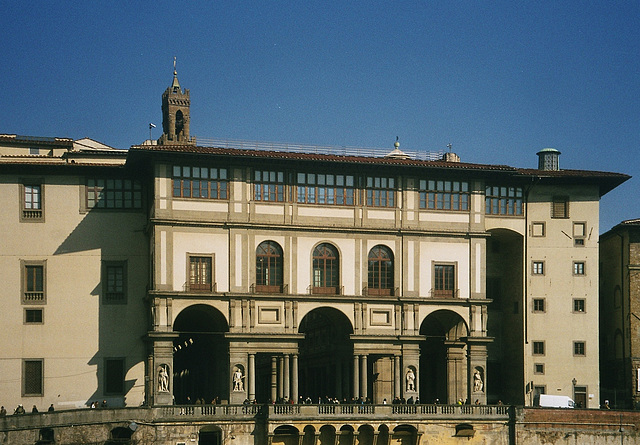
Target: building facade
{"type": "Point", "coordinates": [174, 273]}
{"type": "Point", "coordinates": [619, 322]}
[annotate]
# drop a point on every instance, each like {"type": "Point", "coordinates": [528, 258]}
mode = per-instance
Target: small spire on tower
{"type": "Point", "coordinates": [175, 85]}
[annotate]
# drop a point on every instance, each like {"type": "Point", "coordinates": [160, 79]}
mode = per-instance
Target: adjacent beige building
{"type": "Point", "coordinates": [175, 273]}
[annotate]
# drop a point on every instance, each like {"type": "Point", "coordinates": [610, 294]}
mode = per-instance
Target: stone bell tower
{"type": "Point", "coordinates": [175, 114]}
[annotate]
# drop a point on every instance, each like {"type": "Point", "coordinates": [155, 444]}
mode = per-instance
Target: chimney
{"type": "Point", "coordinates": [548, 159]}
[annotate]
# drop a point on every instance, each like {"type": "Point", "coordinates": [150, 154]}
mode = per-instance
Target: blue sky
{"type": "Point", "coordinates": [499, 80]}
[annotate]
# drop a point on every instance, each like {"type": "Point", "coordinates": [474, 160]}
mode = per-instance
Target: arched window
{"type": "Point", "coordinates": [380, 271]}
{"type": "Point", "coordinates": [325, 269]}
{"type": "Point", "coordinates": [179, 124]}
{"type": "Point", "coordinates": [269, 267]}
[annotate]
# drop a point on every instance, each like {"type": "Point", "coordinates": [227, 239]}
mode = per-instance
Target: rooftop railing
{"type": "Point", "coordinates": [316, 149]}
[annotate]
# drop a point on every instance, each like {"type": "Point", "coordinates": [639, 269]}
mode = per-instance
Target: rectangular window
{"type": "Point", "coordinates": [578, 267]}
{"type": "Point", "coordinates": [32, 377]}
{"type": "Point", "coordinates": [200, 182]}
{"type": "Point", "coordinates": [444, 281]}
{"type": "Point", "coordinates": [200, 274]}
{"type": "Point", "coordinates": [381, 192]}
{"type": "Point", "coordinates": [31, 203]}
{"type": "Point", "coordinates": [114, 376]}
{"type": "Point", "coordinates": [560, 207]}
{"type": "Point", "coordinates": [114, 282]}
{"type": "Point", "coordinates": [579, 233]}
{"type": "Point", "coordinates": [579, 348]}
{"type": "Point", "coordinates": [328, 189]}
{"type": "Point", "coordinates": [579, 305]}
{"type": "Point", "coordinates": [537, 268]}
{"type": "Point", "coordinates": [538, 348]}
{"type": "Point", "coordinates": [101, 193]}
{"type": "Point", "coordinates": [538, 368]}
{"type": "Point", "coordinates": [538, 305]}
{"type": "Point", "coordinates": [268, 186]}
{"type": "Point", "coordinates": [538, 229]}
{"type": "Point", "coordinates": [444, 195]}
{"type": "Point", "coordinates": [33, 316]}
{"type": "Point", "coordinates": [503, 201]}
{"type": "Point", "coordinates": [33, 282]}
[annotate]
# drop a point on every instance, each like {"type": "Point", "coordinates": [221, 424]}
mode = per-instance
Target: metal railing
{"type": "Point", "coordinates": [316, 149]}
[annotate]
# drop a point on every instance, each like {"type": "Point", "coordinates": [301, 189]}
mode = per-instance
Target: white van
{"type": "Point", "coordinates": [551, 401]}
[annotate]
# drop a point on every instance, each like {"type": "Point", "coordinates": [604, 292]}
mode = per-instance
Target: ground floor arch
{"type": "Point", "coordinates": [443, 354]}
{"type": "Point", "coordinates": [326, 355]}
{"type": "Point", "coordinates": [200, 356]}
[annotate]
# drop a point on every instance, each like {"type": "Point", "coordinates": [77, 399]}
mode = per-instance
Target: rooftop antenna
{"type": "Point", "coordinates": [150, 127]}
{"type": "Point", "coordinates": [449, 145]}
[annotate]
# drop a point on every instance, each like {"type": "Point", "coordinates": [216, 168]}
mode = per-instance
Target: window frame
{"type": "Point", "coordinates": [380, 191]}
{"type": "Point", "coordinates": [24, 276]}
{"type": "Point", "coordinates": [537, 344]}
{"type": "Point", "coordinates": [579, 348]}
{"type": "Point", "coordinates": [579, 268]}
{"type": "Point", "coordinates": [541, 301]}
{"type": "Point", "coordinates": [25, 383]}
{"type": "Point", "coordinates": [543, 226]}
{"type": "Point", "coordinates": [380, 271]}
{"type": "Point", "coordinates": [584, 305]}
{"type": "Point", "coordinates": [108, 390]}
{"type": "Point", "coordinates": [325, 189]}
{"type": "Point", "coordinates": [444, 281]}
{"type": "Point", "coordinates": [534, 264]}
{"type": "Point", "coordinates": [274, 262]}
{"type": "Point", "coordinates": [33, 310]}
{"type": "Point", "coordinates": [560, 207]}
{"type": "Point", "coordinates": [502, 200]}
{"type": "Point", "coordinates": [186, 178]}
{"type": "Point", "coordinates": [538, 368]}
{"type": "Point", "coordinates": [264, 189]}
{"type": "Point", "coordinates": [201, 287]}
{"type": "Point", "coordinates": [128, 190]}
{"type": "Point", "coordinates": [28, 214]}
{"type": "Point", "coordinates": [579, 240]}
{"type": "Point", "coordinates": [327, 281]}
{"type": "Point", "coordinates": [441, 195]}
{"type": "Point", "coordinates": [106, 266]}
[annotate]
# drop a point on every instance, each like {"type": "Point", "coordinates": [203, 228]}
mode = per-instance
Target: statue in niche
{"type": "Point", "coordinates": [163, 378]}
{"type": "Point", "coordinates": [478, 384]}
{"type": "Point", "coordinates": [411, 380]}
{"type": "Point", "coordinates": [238, 384]}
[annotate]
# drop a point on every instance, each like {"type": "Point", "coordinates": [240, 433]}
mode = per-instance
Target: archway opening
{"type": "Point", "coordinates": [210, 435]}
{"type": "Point", "coordinates": [443, 368]}
{"type": "Point", "coordinates": [326, 355]}
{"type": "Point", "coordinates": [200, 356]}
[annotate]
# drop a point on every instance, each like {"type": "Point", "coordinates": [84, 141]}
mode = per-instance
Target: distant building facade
{"type": "Point", "coordinates": [619, 312]}
{"type": "Point", "coordinates": [177, 273]}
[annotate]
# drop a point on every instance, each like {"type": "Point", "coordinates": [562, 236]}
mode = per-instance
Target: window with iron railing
{"type": "Point", "coordinates": [200, 274]}
{"type": "Point", "coordinates": [444, 281]}
{"type": "Point", "coordinates": [114, 282]}
{"type": "Point", "coordinates": [269, 267]}
{"type": "Point", "coordinates": [32, 202]}
{"type": "Point", "coordinates": [380, 271]}
{"type": "Point", "coordinates": [326, 264]}
{"type": "Point", "coordinates": [33, 282]}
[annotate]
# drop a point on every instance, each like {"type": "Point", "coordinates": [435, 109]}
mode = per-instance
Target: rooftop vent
{"type": "Point", "coordinates": [548, 159]}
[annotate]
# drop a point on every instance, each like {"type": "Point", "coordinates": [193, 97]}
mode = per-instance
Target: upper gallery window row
{"type": "Point", "coordinates": [338, 189]}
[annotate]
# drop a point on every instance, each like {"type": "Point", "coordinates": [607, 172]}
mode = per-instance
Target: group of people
{"type": "Point", "coordinates": [97, 404]}
{"type": "Point", "coordinates": [20, 410]}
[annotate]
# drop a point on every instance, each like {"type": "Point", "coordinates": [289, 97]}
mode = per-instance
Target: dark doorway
{"type": "Point", "coordinates": [580, 396]}
{"type": "Point", "coordinates": [201, 356]}
{"type": "Point", "coordinates": [210, 435]}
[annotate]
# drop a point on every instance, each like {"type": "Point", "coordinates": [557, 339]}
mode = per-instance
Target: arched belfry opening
{"type": "Point", "coordinates": [326, 354]}
{"type": "Point", "coordinates": [175, 114]}
{"type": "Point", "coordinates": [443, 356]}
{"type": "Point", "coordinates": [200, 355]}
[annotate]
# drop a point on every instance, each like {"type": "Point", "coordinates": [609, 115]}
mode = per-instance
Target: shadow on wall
{"type": "Point", "coordinates": [114, 275]}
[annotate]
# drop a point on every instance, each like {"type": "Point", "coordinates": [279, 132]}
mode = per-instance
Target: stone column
{"type": "Point", "coordinates": [280, 377]}
{"type": "Point", "coordinates": [252, 377]}
{"type": "Point", "coordinates": [294, 387]}
{"type": "Point", "coordinates": [274, 376]}
{"type": "Point", "coordinates": [287, 377]}
{"type": "Point", "coordinates": [365, 382]}
{"type": "Point", "coordinates": [456, 377]}
{"type": "Point", "coordinates": [338, 371]}
{"type": "Point", "coordinates": [397, 377]}
{"type": "Point", "coordinates": [356, 376]}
